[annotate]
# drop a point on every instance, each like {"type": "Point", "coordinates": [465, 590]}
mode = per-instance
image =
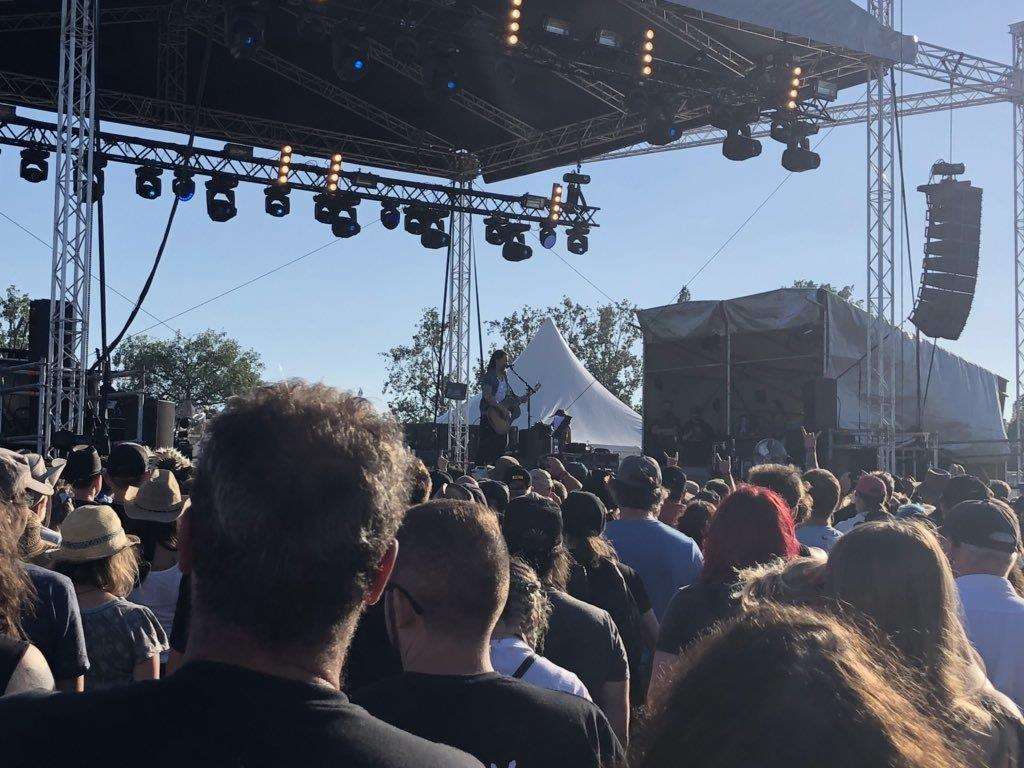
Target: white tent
{"type": "Point", "coordinates": [598, 417]}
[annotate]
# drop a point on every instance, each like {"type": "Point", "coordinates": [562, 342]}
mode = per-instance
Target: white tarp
{"type": "Point", "coordinates": [598, 417]}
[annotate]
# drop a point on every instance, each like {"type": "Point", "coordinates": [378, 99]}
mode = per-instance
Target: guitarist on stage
{"type": "Point", "coordinates": [494, 384]}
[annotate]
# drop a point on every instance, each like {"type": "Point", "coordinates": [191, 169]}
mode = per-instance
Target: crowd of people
{"type": "Point", "coordinates": [309, 593]}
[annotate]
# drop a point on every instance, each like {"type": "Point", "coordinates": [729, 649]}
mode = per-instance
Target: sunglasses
{"type": "Point", "coordinates": [392, 587]}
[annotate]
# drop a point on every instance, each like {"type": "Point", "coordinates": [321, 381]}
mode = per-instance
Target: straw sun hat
{"type": "Point", "coordinates": [92, 532]}
{"type": "Point", "coordinates": [158, 499]}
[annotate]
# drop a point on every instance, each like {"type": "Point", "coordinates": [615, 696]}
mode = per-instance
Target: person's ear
{"type": "Point", "coordinates": [185, 542]}
{"type": "Point", "coordinates": [380, 578]}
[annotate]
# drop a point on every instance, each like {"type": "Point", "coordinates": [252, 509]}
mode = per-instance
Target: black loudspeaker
{"type": "Point", "coordinates": [951, 251]}
{"type": "Point", "coordinates": [157, 423]}
{"type": "Point", "coordinates": [821, 404]}
{"type": "Point", "coordinates": [534, 443]}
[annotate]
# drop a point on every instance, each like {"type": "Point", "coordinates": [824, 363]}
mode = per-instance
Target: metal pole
{"type": "Point", "coordinates": [459, 336]}
{"type": "Point", "coordinates": [728, 377]}
{"type": "Point", "coordinates": [1017, 31]}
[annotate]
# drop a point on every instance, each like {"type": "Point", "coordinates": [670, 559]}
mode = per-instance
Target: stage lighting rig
{"type": "Point", "coordinates": [548, 236]}
{"type": "Point", "coordinates": [441, 73]}
{"type": "Point", "coordinates": [184, 185]}
{"type": "Point", "coordinates": [574, 197]}
{"type": "Point", "coordinates": [647, 53]}
{"type": "Point", "coordinates": [608, 40]}
{"type": "Point", "coordinates": [390, 217]}
{"type": "Point", "coordinates": [558, 28]}
{"type": "Point", "coordinates": [790, 132]}
{"type": "Point", "coordinates": [433, 236]}
{"type": "Point", "coordinates": [346, 224]}
{"type": "Point", "coordinates": [798, 157]}
{"type": "Point", "coordinates": [245, 27]}
{"type": "Point", "coordinates": [577, 241]}
{"type": "Point", "coordinates": [660, 126]}
{"type": "Point", "coordinates": [147, 182]}
{"type": "Point", "coordinates": [515, 247]}
{"type": "Point", "coordinates": [333, 175]}
{"type": "Point", "coordinates": [415, 220]}
{"type": "Point", "coordinates": [495, 230]}
{"type": "Point", "coordinates": [98, 177]}
{"type": "Point", "coordinates": [513, 22]}
{"type": "Point", "coordinates": [284, 164]}
{"type": "Point", "coordinates": [277, 203]}
{"type": "Point", "coordinates": [34, 167]}
{"type": "Point", "coordinates": [220, 198]}
{"type": "Point", "coordinates": [739, 146]}
{"type": "Point", "coordinates": [350, 61]}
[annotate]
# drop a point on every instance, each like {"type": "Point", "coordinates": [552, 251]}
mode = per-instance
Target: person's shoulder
{"type": "Point", "coordinates": [46, 580]}
{"type": "Point", "coordinates": [677, 537]}
{"type": "Point", "coordinates": [396, 748]}
{"type": "Point", "coordinates": [543, 703]}
{"type": "Point", "coordinates": [564, 601]}
{"type": "Point", "coordinates": [559, 678]}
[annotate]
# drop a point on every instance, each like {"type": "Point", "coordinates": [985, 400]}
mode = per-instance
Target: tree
{"type": "Point", "coordinates": [684, 295]}
{"type": "Point", "coordinates": [602, 337]}
{"type": "Point", "coordinates": [14, 314]}
{"type": "Point", "coordinates": [845, 293]}
{"type": "Point", "coordinates": [411, 378]}
{"type": "Point", "coordinates": [204, 369]}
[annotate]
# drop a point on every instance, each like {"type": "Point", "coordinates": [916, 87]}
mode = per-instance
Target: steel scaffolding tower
{"type": "Point", "coordinates": [458, 336]}
{"type": "Point", "coordinates": [72, 220]}
{"type": "Point", "coordinates": [881, 272]}
{"type": "Point", "coordinates": [1017, 31]}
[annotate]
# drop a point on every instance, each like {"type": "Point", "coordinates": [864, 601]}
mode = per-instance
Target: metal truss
{"type": "Point", "coordinates": [306, 177]}
{"type": "Point", "coordinates": [961, 69]}
{"type": "Point", "coordinates": [881, 271]}
{"type": "Point", "coordinates": [675, 24]}
{"type": "Point", "coordinates": [31, 22]}
{"type": "Point", "coordinates": [1017, 31]}
{"type": "Point", "coordinates": [71, 273]}
{"type": "Point", "coordinates": [172, 54]}
{"type": "Point", "coordinates": [459, 336]}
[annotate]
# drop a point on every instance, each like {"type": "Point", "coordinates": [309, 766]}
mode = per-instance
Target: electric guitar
{"type": "Point", "coordinates": [511, 403]}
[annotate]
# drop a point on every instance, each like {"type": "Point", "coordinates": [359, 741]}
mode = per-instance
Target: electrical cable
{"type": "Point", "coordinates": [440, 347]}
{"type": "Point", "coordinates": [479, 317]}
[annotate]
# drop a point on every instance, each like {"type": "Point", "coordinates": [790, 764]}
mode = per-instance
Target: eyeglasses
{"type": "Point", "coordinates": [392, 587]}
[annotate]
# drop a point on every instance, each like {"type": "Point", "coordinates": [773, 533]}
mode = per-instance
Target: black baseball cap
{"type": "Point", "coordinates": [128, 460]}
{"type": "Point", "coordinates": [986, 524]}
{"type": "Point", "coordinates": [517, 474]}
{"type": "Point", "coordinates": [583, 514]}
{"type": "Point", "coordinates": [674, 479]}
{"type": "Point", "coordinates": [532, 522]}
{"type": "Point", "coordinates": [83, 465]}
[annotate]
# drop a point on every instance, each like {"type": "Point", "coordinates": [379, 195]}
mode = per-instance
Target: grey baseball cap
{"type": "Point", "coordinates": [639, 471]}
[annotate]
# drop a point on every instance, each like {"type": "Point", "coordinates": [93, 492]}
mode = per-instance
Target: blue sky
{"type": "Point", "coordinates": [329, 316]}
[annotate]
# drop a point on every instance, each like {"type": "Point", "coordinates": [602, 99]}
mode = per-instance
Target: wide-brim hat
{"type": "Point", "coordinates": [25, 470]}
{"type": "Point", "coordinates": [48, 475]}
{"type": "Point", "coordinates": [158, 499]}
{"type": "Point", "coordinates": [91, 532]}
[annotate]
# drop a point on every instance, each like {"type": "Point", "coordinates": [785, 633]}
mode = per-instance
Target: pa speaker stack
{"type": "Point", "coordinates": [951, 251]}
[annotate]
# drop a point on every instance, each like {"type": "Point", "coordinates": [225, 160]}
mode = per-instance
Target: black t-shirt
{"type": "Point", "coordinates": [212, 715]}
{"type": "Point", "coordinates": [694, 610]}
{"type": "Point", "coordinates": [585, 640]}
{"type": "Point", "coordinates": [636, 588]}
{"type": "Point", "coordinates": [182, 615]}
{"type": "Point", "coordinates": [371, 657]}
{"type": "Point", "coordinates": [500, 721]}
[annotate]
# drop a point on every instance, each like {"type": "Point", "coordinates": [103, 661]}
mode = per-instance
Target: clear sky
{"type": "Point", "coordinates": [328, 316]}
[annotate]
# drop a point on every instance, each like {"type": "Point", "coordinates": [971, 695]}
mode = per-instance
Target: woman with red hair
{"type": "Point", "coordinates": [752, 526]}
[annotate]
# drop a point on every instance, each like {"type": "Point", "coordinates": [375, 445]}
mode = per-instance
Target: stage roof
{"type": "Point", "coordinates": [545, 103]}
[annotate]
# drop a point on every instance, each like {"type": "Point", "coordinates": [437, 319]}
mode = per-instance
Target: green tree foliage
{"type": "Point", "coordinates": [411, 378]}
{"type": "Point", "coordinates": [204, 369]}
{"type": "Point", "coordinates": [845, 293]}
{"type": "Point", "coordinates": [14, 319]}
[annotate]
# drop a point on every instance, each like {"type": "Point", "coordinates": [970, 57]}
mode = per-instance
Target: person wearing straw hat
{"type": "Point", "coordinates": [39, 538]}
{"type": "Point", "coordinates": [124, 640]}
{"type": "Point", "coordinates": [153, 515]}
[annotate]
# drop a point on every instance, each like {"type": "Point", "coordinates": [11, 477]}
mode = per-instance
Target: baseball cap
{"type": "Point", "coordinates": [964, 488]}
{"type": "Point", "coordinates": [83, 465]}
{"type": "Point", "coordinates": [583, 514]}
{"type": "Point", "coordinates": [871, 485]}
{"type": "Point", "coordinates": [578, 470]}
{"type": "Point", "coordinates": [692, 487]}
{"type": "Point", "coordinates": [517, 474]}
{"type": "Point", "coordinates": [639, 472]}
{"type": "Point", "coordinates": [674, 479]}
{"type": "Point", "coordinates": [532, 523]}
{"type": "Point", "coordinates": [128, 460]}
{"type": "Point", "coordinates": [986, 524]}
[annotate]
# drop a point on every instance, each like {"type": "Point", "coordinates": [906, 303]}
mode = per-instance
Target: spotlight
{"type": "Point", "coordinates": [647, 53]}
{"type": "Point", "coordinates": [284, 164]}
{"type": "Point", "coordinates": [244, 28]}
{"type": "Point", "coordinates": [739, 146]}
{"type": "Point", "coordinates": [441, 73]}
{"type": "Point", "coordinates": [495, 230]}
{"type": "Point", "coordinates": [277, 203]}
{"type": "Point", "coordinates": [414, 220]}
{"type": "Point", "coordinates": [333, 175]}
{"type": "Point", "coordinates": [326, 206]}
{"type": "Point", "coordinates": [183, 186]}
{"type": "Point", "coordinates": [793, 83]}
{"type": "Point", "coordinates": [512, 22]}
{"type": "Point", "coordinates": [555, 206]}
{"type": "Point", "coordinates": [350, 62]}
{"type": "Point", "coordinates": [147, 182]}
{"type": "Point", "coordinates": [660, 127]}
{"type": "Point", "coordinates": [433, 236]}
{"type": "Point", "coordinates": [548, 236]}
{"type": "Point", "coordinates": [798, 157]}
{"type": "Point", "coordinates": [389, 216]}
{"type": "Point", "coordinates": [98, 177]}
{"type": "Point", "coordinates": [34, 167]}
{"type": "Point", "coordinates": [220, 198]}
{"type": "Point", "coordinates": [559, 28]}
{"type": "Point", "coordinates": [515, 247]}
{"type": "Point", "coordinates": [347, 223]}
{"type": "Point", "coordinates": [576, 240]}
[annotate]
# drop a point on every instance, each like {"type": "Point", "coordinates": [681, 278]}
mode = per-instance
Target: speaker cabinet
{"type": "Point", "coordinates": [821, 404]}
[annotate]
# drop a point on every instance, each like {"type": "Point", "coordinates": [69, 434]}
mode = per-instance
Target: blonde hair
{"type": "Point", "coordinates": [115, 574]}
{"type": "Point", "coordinates": [798, 582]}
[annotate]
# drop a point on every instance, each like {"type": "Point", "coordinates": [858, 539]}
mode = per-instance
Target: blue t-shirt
{"type": "Point", "coordinates": [666, 559]}
{"type": "Point", "coordinates": [820, 536]}
{"type": "Point", "coordinates": [55, 624]}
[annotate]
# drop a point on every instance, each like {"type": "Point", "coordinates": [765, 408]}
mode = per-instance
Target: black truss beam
{"type": "Point", "coordinates": [31, 22]}
{"type": "Point", "coordinates": [133, 150]}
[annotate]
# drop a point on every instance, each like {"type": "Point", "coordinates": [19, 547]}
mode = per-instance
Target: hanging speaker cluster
{"type": "Point", "coordinates": [951, 252]}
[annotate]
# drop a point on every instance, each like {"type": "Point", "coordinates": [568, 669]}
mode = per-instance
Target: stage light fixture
{"type": "Point", "coordinates": [34, 167]}
{"type": "Point", "coordinates": [245, 27]}
{"type": "Point", "coordinates": [647, 53]}
{"type": "Point", "coordinates": [559, 28]}
{"type": "Point", "coordinates": [98, 177]}
{"type": "Point", "coordinates": [414, 220]}
{"type": "Point", "coordinates": [660, 126]}
{"type": "Point", "coordinates": [495, 230]}
{"type": "Point", "coordinates": [433, 236]}
{"type": "Point", "coordinates": [389, 215]}
{"type": "Point", "coordinates": [277, 203]}
{"type": "Point", "coordinates": [284, 164]}
{"type": "Point", "coordinates": [513, 22]}
{"type": "Point", "coordinates": [441, 73]}
{"type": "Point", "coordinates": [147, 182]}
{"type": "Point", "coordinates": [795, 83]}
{"type": "Point", "coordinates": [347, 223]}
{"type": "Point", "coordinates": [183, 186]}
{"type": "Point", "coordinates": [326, 206]}
{"type": "Point", "coordinates": [577, 241]}
{"type": "Point", "coordinates": [350, 61]}
{"type": "Point", "coordinates": [220, 198]}
{"type": "Point", "coordinates": [798, 157]}
{"type": "Point", "coordinates": [333, 176]}
{"type": "Point", "coordinates": [606, 38]}
{"type": "Point", "coordinates": [515, 247]}
{"type": "Point", "coordinates": [555, 204]}
{"type": "Point", "coordinates": [739, 146]}
{"type": "Point", "coordinates": [548, 236]}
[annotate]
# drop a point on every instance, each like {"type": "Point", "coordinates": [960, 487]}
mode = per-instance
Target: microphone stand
{"type": "Point", "coordinates": [529, 389]}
